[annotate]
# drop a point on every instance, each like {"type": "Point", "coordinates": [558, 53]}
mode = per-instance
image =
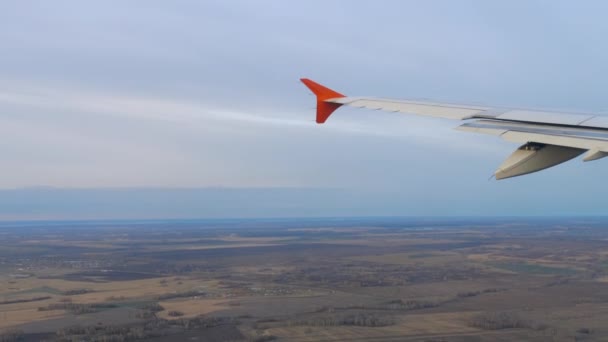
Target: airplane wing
{"type": "Point", "coordinates": [547, 138]}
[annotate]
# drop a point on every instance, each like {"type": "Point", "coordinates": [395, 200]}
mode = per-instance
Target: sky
{"type": "Point", "coordinates": [185, 109]}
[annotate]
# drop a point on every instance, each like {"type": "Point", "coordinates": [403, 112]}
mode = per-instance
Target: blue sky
{"type": "Point", "coordinates": [114, 97]}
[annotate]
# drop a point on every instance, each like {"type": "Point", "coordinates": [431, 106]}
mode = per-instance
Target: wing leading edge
{"type": "Point", "coordinates": [548, 138]}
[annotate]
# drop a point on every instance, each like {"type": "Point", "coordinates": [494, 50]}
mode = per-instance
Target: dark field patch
{"type": "Point", "coordinates": [24, 300]}
{"type": "Point", "coordinates": [522, 267]}
{"type": "Point", "coordinates": [106, 276]}
{"type": "Point", "coordinates": [214, 334]}
{"type": "Point", "coordinates": [41, 289]}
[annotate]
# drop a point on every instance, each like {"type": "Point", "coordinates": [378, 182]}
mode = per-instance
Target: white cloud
{"type": "Point", "coordinates": [60, 136]}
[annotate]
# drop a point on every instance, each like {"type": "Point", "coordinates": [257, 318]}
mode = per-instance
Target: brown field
{"type": "Point", "coordinates": [437, 258]}
{"type": "Point", "coordinates": [16, 315]}
{"type": "Point", "coordinates": [415, 325]}
{"type": "Point", "coordinates": [295, 280]}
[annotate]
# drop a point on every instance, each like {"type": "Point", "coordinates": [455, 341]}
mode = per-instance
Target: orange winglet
{"type": "Point", "coordinates": [324, 109]}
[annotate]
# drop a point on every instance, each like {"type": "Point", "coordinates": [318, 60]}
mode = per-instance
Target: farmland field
{"type": "Point", "coordinates": [376, 279]}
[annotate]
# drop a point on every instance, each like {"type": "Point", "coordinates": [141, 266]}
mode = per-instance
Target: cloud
{"type": "Point", "coordinates": [74, 137]}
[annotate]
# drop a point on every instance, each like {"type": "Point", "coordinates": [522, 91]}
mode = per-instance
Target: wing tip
{"type": "Point", "coordinates": [324, 109]}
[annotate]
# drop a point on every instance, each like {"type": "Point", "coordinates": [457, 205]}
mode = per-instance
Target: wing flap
{"type": "Point", "coordinates": [559, 140]}
{"type": "Point", "coordinates": [524, 132]}
{"type": "Point", "coordinates": [544, 117]}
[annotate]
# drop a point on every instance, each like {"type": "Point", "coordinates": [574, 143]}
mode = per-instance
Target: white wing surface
{"type": "Point", "coordinates": [547, 138]}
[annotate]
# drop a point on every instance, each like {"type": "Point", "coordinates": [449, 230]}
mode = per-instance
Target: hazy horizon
{"type": "Point", "coordinates": [237, 203]}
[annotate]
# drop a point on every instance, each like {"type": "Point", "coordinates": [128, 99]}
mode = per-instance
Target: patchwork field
{"type": "Point", "coordinates": [306, 280]}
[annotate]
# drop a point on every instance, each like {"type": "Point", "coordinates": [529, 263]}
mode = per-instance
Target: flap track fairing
{"type": "Point", "coordinates": [532, 157]}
